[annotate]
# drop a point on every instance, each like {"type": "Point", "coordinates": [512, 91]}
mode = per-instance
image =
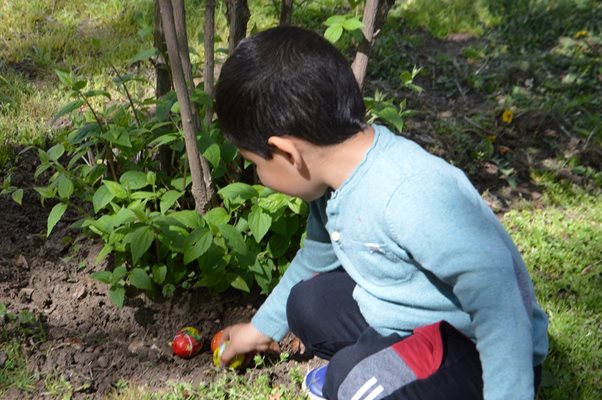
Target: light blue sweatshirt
{"type": "Point", "coordinates": [422, 246]}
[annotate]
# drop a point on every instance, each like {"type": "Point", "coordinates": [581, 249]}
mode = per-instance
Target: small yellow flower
{"type": "Point", "coordinates": [581, 34]}
{"type": "Point", "coordinates": [507, 116]}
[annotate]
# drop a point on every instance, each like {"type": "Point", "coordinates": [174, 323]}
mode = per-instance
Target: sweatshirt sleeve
{"type": "Point", "coordinates": [316, 256]}
{"type": "Point", "coordinates": [449, 231]}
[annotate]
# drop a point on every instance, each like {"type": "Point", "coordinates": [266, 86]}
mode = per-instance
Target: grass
{"type": "Point", "coordinates": [554, 45]}
{"type": "Point", "coordinates": [15, 373]}
{"type": "Point", "coordinates": [39, 36]}
{"type": "Point", "coordinates": [230, 385]}
{"type": "Point", "coordinates": [562, 243]}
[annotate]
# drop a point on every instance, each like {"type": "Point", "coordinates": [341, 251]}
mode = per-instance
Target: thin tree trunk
{"type": "Point", "coordinates": [381, 15]}
{"type": "Point", "coordinates": [375, 14]}
{"type": "Point", "coordinates": [286, 12]}
{"type": "Point", "coordinates": [163, 79]}
{"type": "Point", "coordinates": [179, 15]}
{"type": "Point", "coordinates": [209, 65]}
{"type": "Point", "coordinates": [184, 53]}
{"type": "Point", "coordinates": [201, 192]}
{"type": "Point", "coordinates": [238, 15]}
{"type": "Point", "coordinates": [360, 64]}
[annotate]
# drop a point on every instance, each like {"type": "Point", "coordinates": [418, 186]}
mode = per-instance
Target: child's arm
{"type": "Point", "coordinates": [449, 231]}
{"type": "Point", "coordinates": [316, 256]}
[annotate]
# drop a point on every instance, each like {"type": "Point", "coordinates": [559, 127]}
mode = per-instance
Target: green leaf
{"type": "Point", "coordinates": [333, 33]}
{"type": "Point", "coordinates": [278, 245]}
{"type": "Point", "coordinates": [159, 273]}
{"type": "Point", "coordinates": [120, 80]}
{"type": "Point", "coordinates": [65, 77]}
{"type": "Point", "coordinates": [116, 189]}
{"type": "Point", "coordinates": [233, 238]}
{"type": "Point", "coordinates": [133, 180]}
{"type": "Point", "coordinates": [197, 243]}
{"type": "Point", "coordinates": [117, 295]}
{"type": "Point", "coordinates": [151, 177]}
{"type": "Point", "coordinates": [212, 154]}
{"type": "Point", "coordinates": [297, 205]}
{"type": "Point", "coordinates": [105, 251]}
{"type": "Point", "coordinates": [259, 223]}
{"type": "Point", "coordinates": [45, 191]}
{"type": "Point", "coordinates": [190, 219]}
{"type": "Point", "coordinates": [178, 183]}
{"type": "Point", "coordinates": [65, 187]}
{"type": "Point", "coordinates": [123, 216]}
{"type": "Point", "coordinates": [97, 92]}
{"type": "Point", "coordinates": [17, 196]}
{"type": "Point", "coordinates": [79, 84]}
{"type": "Point", "coordinates": [102, 225]}
{"type": "Point", "coordinates": [41, 168]}
{"type": "Point", "coordinates": [118, 274]}
{"type": "Point", "coordinates": [352, 24]}
{"type": "Point", "coordinates": [201, 97]}
{"type": "Point", "coordinates": [56, 151]}
{"type": "Point", "coordinates": [55, 215]}
{"type": "Point", "coordinates": [6, 185]}
{"type": "Point", "coordinates": [144, 55]}
{"type": "Point", "coordinates": [237, 192]}
{"type": "Point", "coordinates": [101, 198]}
{"type": "Point", "coordinates": [140, 279]}
{"type": "Point", "coordinates": [143, 195]}
{"type": "Point", "coordinates": [140, 241]}
{"type": "Point", "coordinates": [391, 116]}
{"type": "Point", "coordinates": [274, 202]}
{"type": "Point", "coordinates": [217, 216]}
{"type": "Point", "coordinates": [168, 199]}
{"type": "Point", "coordinates": [43, 156]}
{"type": "Point", "coordinates": [335, 20]}
{"type": "Point", "coordinates": [68, 108]}
{"type": "Point", "coordinates": [102, 276]}
{"type": "Point", "coordinates": [118, 136]}
{"type": "Point", "coordinates": [240, 284]}
{"type": "Point", "coordinates": [168, 290]}
{"type": "Point", "coordinates": [165, 139]}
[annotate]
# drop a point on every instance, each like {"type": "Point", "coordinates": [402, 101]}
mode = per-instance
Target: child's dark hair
{"type": "Point", "coordinates": [287, 81]}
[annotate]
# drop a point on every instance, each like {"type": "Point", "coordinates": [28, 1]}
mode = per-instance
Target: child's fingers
{"type": "Point", "coordinates": [227, 355]}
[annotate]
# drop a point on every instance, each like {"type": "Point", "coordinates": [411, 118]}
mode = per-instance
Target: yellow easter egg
{"type": "Point", "coordinates": [236, 362]}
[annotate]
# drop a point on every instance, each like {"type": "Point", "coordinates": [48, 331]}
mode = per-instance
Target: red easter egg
{"type": "Point", "coordinates": [187, 342]}
{"type": "Point", "coordinates": [216, 341]}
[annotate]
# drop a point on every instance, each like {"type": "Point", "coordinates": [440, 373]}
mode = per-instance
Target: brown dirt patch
{"type": "Point", "coordinates": [87, 339]}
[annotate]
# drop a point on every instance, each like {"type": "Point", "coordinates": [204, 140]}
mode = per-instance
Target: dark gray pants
{"type": "Point", "coordinates": [323, 315]}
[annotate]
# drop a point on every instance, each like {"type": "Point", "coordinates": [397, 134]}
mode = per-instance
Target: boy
{"type": "Point", "coordinates": [407, 282]}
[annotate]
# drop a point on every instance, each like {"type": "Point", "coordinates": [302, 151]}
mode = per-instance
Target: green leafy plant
{"type": "Point", "coordinates": [15, 193]}
{"type": "Point", "coordinates": [20, 324]}
{"type": "Point", "coordinates": [337, 24]}
{"type": "Point", "coordinates": [381, 108]}
{"type": "Point", "coordinates": [105, 171]}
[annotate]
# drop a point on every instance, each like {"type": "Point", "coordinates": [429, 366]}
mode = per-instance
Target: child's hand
{"type": "Point", "coordinates": [243, 338]}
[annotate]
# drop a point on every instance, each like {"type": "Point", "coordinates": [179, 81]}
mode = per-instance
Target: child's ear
{"type": "Point", "coordinates": [289, 149]}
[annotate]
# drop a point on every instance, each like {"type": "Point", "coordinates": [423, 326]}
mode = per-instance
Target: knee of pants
{"type": "Point", "coordinates": [301, 307]}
